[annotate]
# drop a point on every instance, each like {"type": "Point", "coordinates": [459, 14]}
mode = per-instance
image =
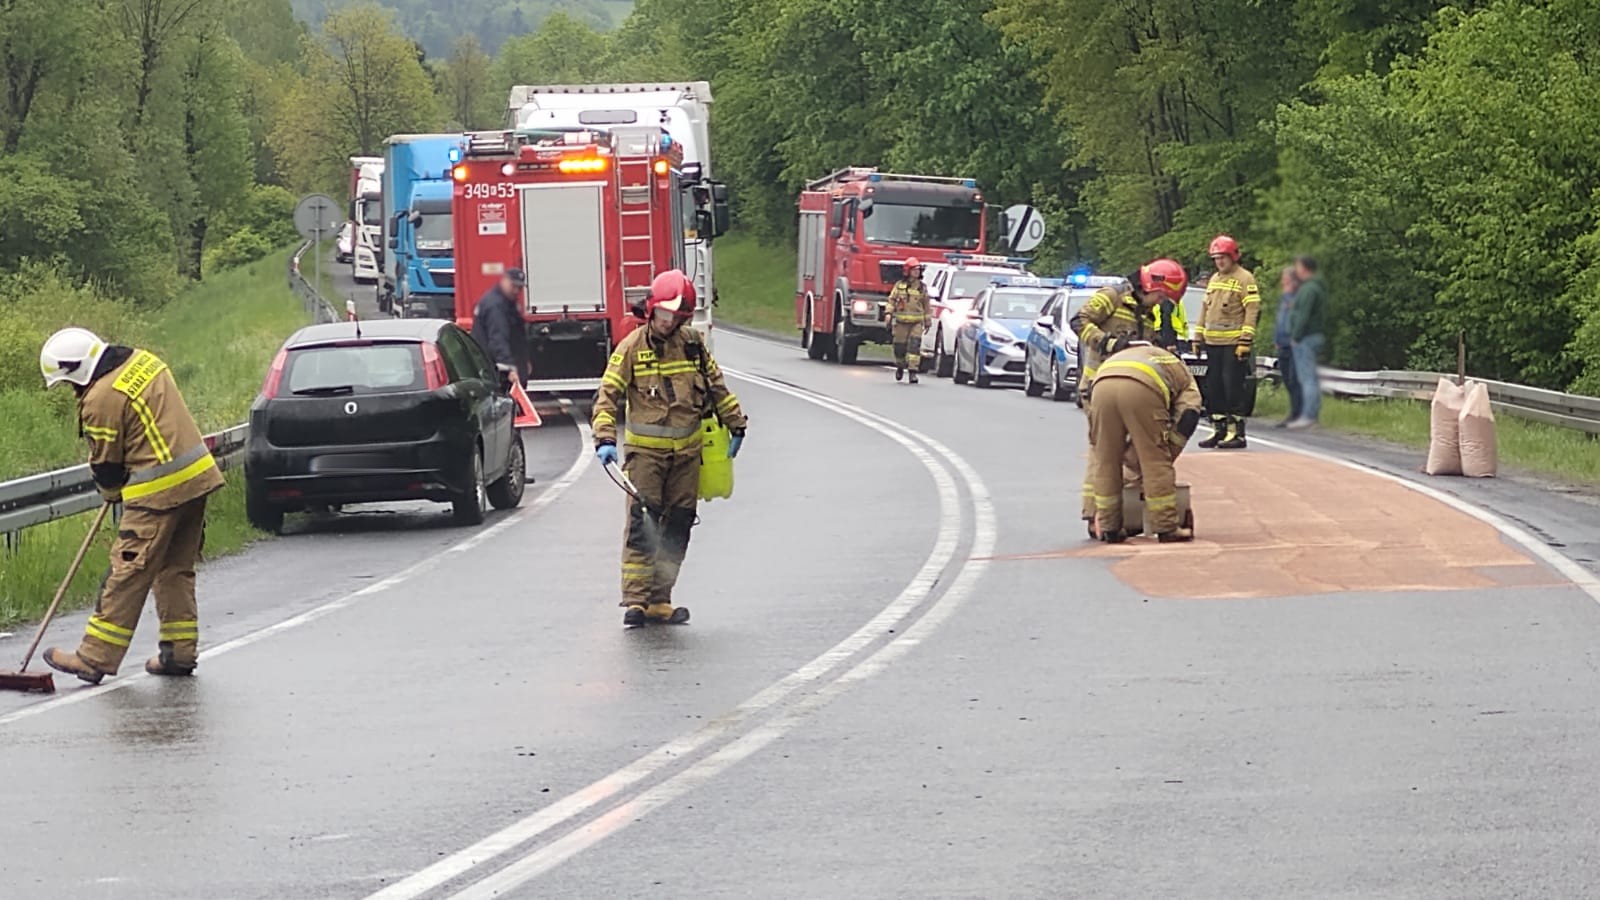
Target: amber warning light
{"type": "Point", "coordinates": [586, 164]}
{"type": "Point", "coordinates": [459, 173]}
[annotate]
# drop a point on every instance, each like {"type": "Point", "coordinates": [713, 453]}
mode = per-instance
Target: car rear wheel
{"type": "Point", "coordinates": [507, 492]}
{"type": "Point", "coordinates": [471, 508]}
{"type": "Point", "coordinates": [261, 513]}
{"type": "Point", "coordinates": [1029, 386]}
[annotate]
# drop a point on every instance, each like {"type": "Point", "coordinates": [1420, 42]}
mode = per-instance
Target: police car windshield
{"type": "Point", "coordinates": [951, 227]}
{"type": "Point", "coordinates": [1014, 303]}
{"type": "Point", "coordinates": [966, 285]}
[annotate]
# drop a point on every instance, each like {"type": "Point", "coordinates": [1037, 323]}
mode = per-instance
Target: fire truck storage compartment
{"type": "Point", "coordinates": [563, 256]}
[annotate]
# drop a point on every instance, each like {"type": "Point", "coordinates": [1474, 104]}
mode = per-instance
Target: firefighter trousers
{"type": "Point", "coordinates": [906, 339]}
{"type": "Point", "coordinates": [1129, 468]}
{"type": "Point", "coordinates": [1126, 410]}
{"type": "Point", "coordinates": [1224, 387]}
{"type": "Point", "coordinates": [657, 538]}
{"type": "Point", "coordinates": [155, 551]}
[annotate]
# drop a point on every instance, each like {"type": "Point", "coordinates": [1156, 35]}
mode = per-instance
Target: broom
{"type": "Point", "coordinates": [44, 682]}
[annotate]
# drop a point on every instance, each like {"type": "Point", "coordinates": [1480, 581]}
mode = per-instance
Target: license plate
{"type": "Point", "coordinates": [1197, 369]}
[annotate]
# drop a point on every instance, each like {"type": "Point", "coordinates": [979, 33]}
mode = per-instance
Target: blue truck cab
{"type": "Point", "coordinates": [420, 278]}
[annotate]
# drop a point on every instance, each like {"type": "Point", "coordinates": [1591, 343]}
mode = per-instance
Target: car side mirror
{"type": "Point", "coordinates": [1045, 323]}
{"type": "Point", "coordinates": [415, 218]}
{"type": "Point", "coordinates": [705, 225]}
{"type": "Point", "coordinates": [394, 243]}
{"type": "Point", "coordinates": [974, 314]}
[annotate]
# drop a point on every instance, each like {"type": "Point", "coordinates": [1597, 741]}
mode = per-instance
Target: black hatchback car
{"type": "Point", "coordinates": [401, 409]}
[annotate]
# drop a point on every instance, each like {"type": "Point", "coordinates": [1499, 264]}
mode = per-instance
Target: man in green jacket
{"type": "Point", "coordinates": [1307, 336]}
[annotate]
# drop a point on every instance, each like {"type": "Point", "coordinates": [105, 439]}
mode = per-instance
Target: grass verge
{"type": "Point", "coordinates": [755, 285]}
{"type": "Point", "coordinates": [218, 337]}
{"type": "Point", "coordinates": [1534, 447]}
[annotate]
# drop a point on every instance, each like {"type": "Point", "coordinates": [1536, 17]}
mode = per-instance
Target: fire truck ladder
{"type": "Point", "coordinates": [636, 225]}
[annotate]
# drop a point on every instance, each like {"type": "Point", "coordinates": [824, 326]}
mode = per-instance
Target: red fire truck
{"type": "Point", "coordinates": [591, 216]}
{"type": "Point", "coordinates": [857, 228]}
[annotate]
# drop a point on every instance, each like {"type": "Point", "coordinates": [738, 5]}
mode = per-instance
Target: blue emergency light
{"type": "Point", "coordinates": [970, 182]}
{"type": "Point", "coordinates": [455, 155]}
{"type": "Point", "coordinates": [666, 142]}
{"type": "Point", "coordinates": [1026, 281]}
{"type": "Point", "coordinates": [875, 176]}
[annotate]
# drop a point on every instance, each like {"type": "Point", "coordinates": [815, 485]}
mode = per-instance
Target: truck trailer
{"type": "Point", "coordinates": [858, 226]}
{"type": "Point", "coordinates": [682, 109]}
{"type": "Point", "coordinates": [419, 282]}
{"type": "Point", "coordinates": [591, 216]}
{"type": "Point", "coordinates": [366, 218]}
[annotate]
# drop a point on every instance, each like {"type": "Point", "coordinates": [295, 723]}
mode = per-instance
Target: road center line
{"type": "Point", "coordinates": [547, 497]}
{"type": "Point", "coordinates": [674, 752]}
{"type": "Point", "coordinates": [545, 858]}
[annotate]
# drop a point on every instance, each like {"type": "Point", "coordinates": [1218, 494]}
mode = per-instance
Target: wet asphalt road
{"type": "Point", "coordinates": [875, 699]}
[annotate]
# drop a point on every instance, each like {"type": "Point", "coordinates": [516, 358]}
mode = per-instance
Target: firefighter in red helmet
{"type": "Point", "coordinates": [662, 380]}
{"type": "Point", "coordinates": [1116, 313]}
{"type": "Point", "coordinates": [908, 311]}
{"type": "Point", "coordinates": [1228, 332]}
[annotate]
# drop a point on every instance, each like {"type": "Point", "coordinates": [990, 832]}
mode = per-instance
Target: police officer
{"type": "Point", "coordinates": [497, 324]}
{"type": "Point", "coordinates": [146, 452]}
{"type": "Point", "coordinates": [1228, 330]}
{"type": "Point", "coordinates": [908, 307]}
{"type": "Point", "coordinates": [1121, 311]}
{"type": "Point", "coordinates": [663, 377]}
{"type": "Point", "coordinates": [1143, 395]}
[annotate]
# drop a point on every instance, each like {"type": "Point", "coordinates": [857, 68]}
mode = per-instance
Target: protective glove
{"type": "Point", "coordinates": [1242, 351]}
{"type": "Point", "coordinates": [735, 444]}
{"type": "Point", "coordinates": [606, 453]}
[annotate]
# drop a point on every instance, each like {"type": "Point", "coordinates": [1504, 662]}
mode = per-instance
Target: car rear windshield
{"type": "Point", "coordinates": [355, 369]}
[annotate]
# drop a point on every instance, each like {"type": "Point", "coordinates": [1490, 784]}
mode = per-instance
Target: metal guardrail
{"type": "Point", "coordinates": [1573, 411]}
{"type": "Point", "coordinates": [36, 499]}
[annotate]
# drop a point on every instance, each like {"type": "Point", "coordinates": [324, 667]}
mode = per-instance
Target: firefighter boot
{"type": "Point", "coordinates": [163, 663]}
{"type": "Point", "coordinates": [1178, 535]}
{"type": "Point", "coordinates": [1219, 427]}
{"type": "Point", "coordinates": [633, 617]}
{"type": "Point", "coordinates": [1235, 439]}
{"type": "Point", "coordinates": [913, 376]}
{"type": "Point", "coordinates": [64, 661]}
{"type": "Point", "coordinates": [899, 372]}
{"type": "Point", "coordinates": [662, 613]}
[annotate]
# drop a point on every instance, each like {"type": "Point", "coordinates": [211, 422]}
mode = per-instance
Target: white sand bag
{"type": "Point", "coordinates": [1479, 449]}
{"type": "Point", "coordinates": [1444, 431]}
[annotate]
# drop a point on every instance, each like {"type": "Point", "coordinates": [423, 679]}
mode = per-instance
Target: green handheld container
{"type": "Point", "coordinates": [716, 468]}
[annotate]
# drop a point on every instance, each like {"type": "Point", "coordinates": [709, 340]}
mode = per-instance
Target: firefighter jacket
{"type": "Point", "coordinates": [1111, 312]}
{"type": "Point", "coordinates": [140, 431]}
{"type": "Point", "coordinates": [1167, 377]}
{"type": "Point", "coordinates": [1233, 304]}
{"type": "Point", "coordinates": [908, 302]}
{"type": "Point", "coordinates": [663, 387]}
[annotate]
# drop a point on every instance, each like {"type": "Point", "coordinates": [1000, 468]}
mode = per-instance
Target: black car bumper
{"type": "Point", "coordinates": [294, 478]}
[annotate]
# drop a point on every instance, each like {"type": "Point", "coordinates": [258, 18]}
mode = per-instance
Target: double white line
{"type": "Point", "coordinates": [746, 729]}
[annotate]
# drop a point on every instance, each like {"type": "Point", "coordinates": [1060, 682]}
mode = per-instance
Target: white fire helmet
{"type": "Point", "coordinates": [70, 355]}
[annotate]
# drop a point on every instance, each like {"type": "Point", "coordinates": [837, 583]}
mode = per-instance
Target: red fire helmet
{"type": "Point", "coordinates": [1165, 277]}
{"type": "Point", "coordinates": [1222, 245]}
{"type": "Point", "coordinates": [672, 291]}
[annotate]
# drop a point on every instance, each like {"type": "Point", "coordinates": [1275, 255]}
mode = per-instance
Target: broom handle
{"type": "Point", "coordinates": [61, 591]}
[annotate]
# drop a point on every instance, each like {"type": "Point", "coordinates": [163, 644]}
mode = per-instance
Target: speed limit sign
{"type": "Point", "coordinates": [1024, 228]}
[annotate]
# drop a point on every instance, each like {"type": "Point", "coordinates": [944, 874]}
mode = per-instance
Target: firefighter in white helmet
{"type": "Point", "coordinates": [146, 452]}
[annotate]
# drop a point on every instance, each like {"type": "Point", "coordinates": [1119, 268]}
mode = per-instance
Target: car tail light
{"type": "Point", "coordinates": [433, 366]}
{"type": "Point", "coordinates": [269, 388]}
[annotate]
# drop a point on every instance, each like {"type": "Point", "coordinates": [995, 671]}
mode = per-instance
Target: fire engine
{"type": "Point", "coordinates": [591, 216]}
{"type": "Point", "coordinates": [857, 228]}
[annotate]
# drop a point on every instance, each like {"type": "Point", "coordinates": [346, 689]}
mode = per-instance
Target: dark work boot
{"type": "Point", "coordinates": [913, 376]}
{"type": "Point", "coordinates": [1235, 439]}
{"type": "Point", "coordinates": [70, 663]}
{"type": "Point", "coordinates": [1219, 428]}
{"type": "Point", "coordinates": [163, 663]}
{"type": "Point", "coordinates": [899, 372]}
{"type": "Point", "coordinates": [634, 617]}
{"type": "Point", "coordinates": [1176, 536]}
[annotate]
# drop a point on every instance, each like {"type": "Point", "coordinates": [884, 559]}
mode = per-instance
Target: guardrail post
{"type": "Point", "coordinates": [1461, 358]}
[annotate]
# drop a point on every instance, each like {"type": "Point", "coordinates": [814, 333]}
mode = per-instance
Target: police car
{"type": "Point", "coordinates": [991, 345]}
{"type": "Point", "coordinates": [1050, 360]}
{"type": "Point", "coordinates": [952, 287]}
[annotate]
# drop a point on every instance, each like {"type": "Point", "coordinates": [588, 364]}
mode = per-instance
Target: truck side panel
{"type": "Point", "coordinates": [487, 217]}
{"type": "Point", "coordinates": [563, 246]}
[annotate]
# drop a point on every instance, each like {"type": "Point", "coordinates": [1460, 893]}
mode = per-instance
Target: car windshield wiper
{"type": "Point", "coordinates": [326, 390]}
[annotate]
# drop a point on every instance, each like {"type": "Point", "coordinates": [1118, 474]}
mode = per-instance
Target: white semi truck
{"type": "Point", "coordinates": [366, 213]}
{"type": "Point", "coordinates": [682, 109]}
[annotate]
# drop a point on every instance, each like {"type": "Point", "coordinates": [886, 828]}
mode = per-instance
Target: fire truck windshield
{"type": "Point", "coordinates": [951, 227]}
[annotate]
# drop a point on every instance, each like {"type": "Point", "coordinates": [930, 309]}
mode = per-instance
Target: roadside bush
{"type": "Point", "coordinates": [243, 246]}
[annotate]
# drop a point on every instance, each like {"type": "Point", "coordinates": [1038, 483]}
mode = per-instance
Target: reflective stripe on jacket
{"type": "Point", "coordinates": [1111, 312]}
{"type": "Point", "coordinates": [1233, 304]}
{"type": "Point", "coordinates": [663, 387]}
{"type": "Point", "coordinates": [1165, 375]}
{"type": "Point", "coordinates": [135, 416]}
{"type": "Point", "coordinates": [908, 301]}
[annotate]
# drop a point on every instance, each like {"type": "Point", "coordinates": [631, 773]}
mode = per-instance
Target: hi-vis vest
{"type": "Point", "coordinates": [136, 416]}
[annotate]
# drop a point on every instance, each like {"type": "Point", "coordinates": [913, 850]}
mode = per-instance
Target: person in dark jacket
{"type": "Point", "coordinates": [497, 324]}
{"type": "Point", "coordinates": [1280, 333]}
{"type": "Point", "coordinates": [1307, 335]}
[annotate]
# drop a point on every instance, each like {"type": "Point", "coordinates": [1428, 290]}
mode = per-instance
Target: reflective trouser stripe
{"type": "Point", "coordinates": [115, 635]}
{"type": "Point", "coordinates": [193, 470]}
{"type": "Point", "coordinates": [1101, 501]}
{"type": "Point", "coordinates": [180, 631]}
{"type": "Point", "coordinates": [1167, 501]}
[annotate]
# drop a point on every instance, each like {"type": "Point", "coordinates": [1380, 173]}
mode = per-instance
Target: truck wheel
{"type": "Point", "coordinates": [845, 346]}
{"type": "Point", "coordinates": [849, 350]}
{"type": "Point", "coordinates": [259, 512]}
{"type": "Point", "coordinates": [816, 344]}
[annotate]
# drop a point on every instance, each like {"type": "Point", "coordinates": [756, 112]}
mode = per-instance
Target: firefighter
{"type": "Point", "coordinates": [665, 381]}
{"type": "Point", "coordinates": [146, 453]}
{"type": "Point", "coordinates": [1120, 311]}
{"type": "Point", "coordinates": [1228, 331]}
{"type": "Point", "coordinates": [908, 305]}
{"type": "Point", "coordinates": [1143, 395]}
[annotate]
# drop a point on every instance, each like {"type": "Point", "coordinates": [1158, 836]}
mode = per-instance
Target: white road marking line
{"type": "Point", "coordinates": [549, 856]}
{"type": "Point", "coordinates": [1562, 563]}
{"type": "Point", "coordinates": [549, 496]}
{"type": "Point", "coordinates": [674, 752]}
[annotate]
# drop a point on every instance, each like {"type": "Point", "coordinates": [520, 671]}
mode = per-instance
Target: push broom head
{"type": "Point", "coordinates": [28, 682]}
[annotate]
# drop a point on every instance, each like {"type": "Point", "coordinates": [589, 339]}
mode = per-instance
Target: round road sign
{"type": "Point", "coordinates": [1024, 228]}
{"type": "Point", "coordinates": [317, 216]}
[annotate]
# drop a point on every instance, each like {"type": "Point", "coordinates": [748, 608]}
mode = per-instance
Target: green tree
{"type": "Point", "coordinates": [564, 50]}
{"type": "Point", "coordinates": [467, 90]}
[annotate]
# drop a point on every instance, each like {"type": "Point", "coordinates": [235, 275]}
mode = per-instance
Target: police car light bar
{"type": "Point", "coordinates": [982, 259]}
{"type": "Point", "coordinates": [1026, 281]}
